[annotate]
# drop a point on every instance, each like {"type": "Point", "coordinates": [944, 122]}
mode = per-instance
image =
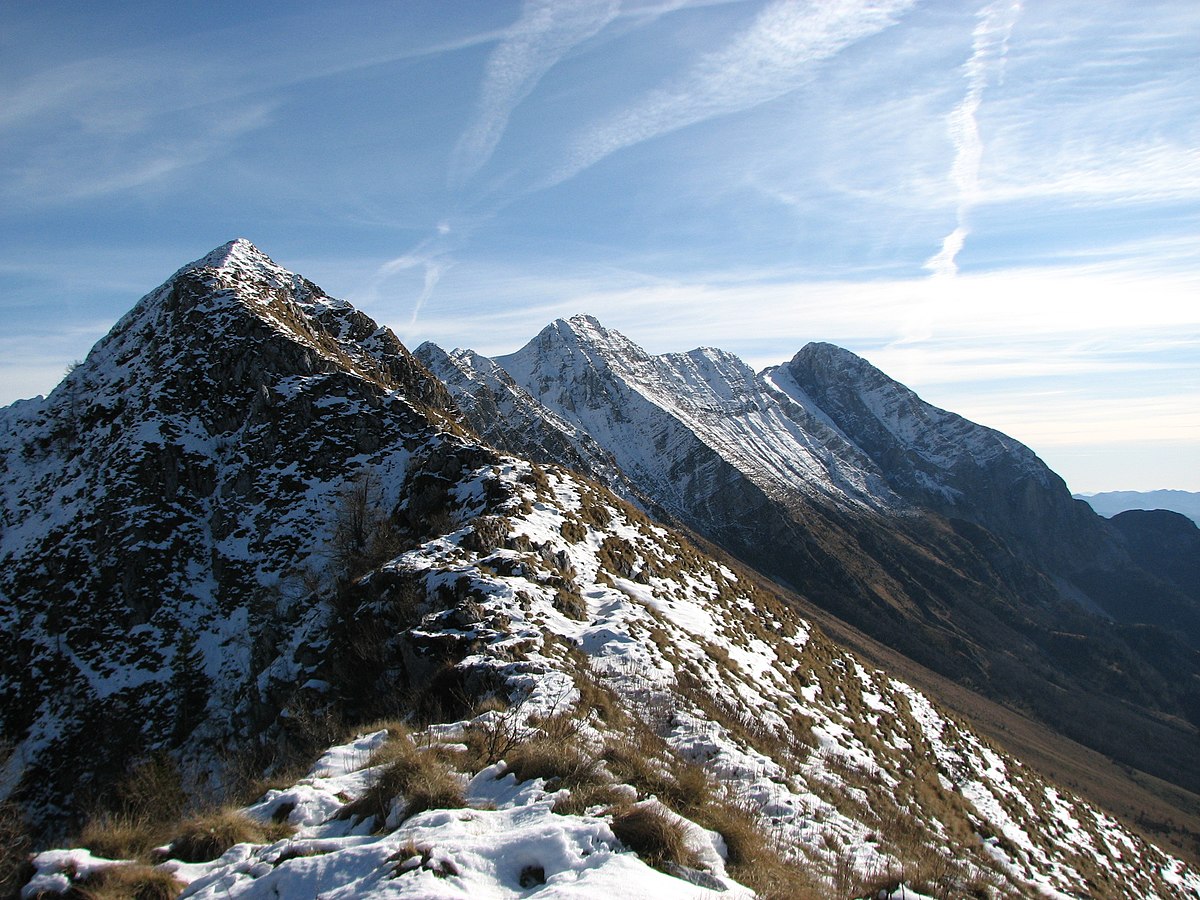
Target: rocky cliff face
{"type": "Point", "coordinates": [940, 461]}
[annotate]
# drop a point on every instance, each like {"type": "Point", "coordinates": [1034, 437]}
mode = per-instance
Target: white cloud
{"type": "Point", "coordinates": [769, 59]}
{"type": "Point", "coordinates": [545, 32]}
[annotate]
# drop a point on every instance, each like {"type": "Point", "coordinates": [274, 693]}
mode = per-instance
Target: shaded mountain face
{"type": "Point", "coordinates": [251, 515]}
{"type": "Point", "coordinates": [947, 540]}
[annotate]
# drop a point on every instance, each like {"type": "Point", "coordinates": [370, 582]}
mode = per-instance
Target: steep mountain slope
{"type": "Point", "coordinates": [251, 515]}
{"type": "Point", "coordinates": [948, 540]}
{"type": "Point", "coordinates": [504, 415]}
{"type": "Point", "coordinates": [162, 507]}
{"type": "Point", "coordinates": [639, 678]}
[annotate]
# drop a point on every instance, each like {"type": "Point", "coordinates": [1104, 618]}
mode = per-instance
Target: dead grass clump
{"type": "Point", "coordinates": [420, 777]}
{"type": "Point", "coordinates": [121, 836]}
{"type": "Point", "coordinates": [570, 604]}
{"type": "Point", "coordinates": [573, 531]}
{"type": "Point", "coordinates": [207, 836]}
{"type": "Point", "coordinates": [636, 758]}
{"type": "Point", "coordinates": [578, 800]}
{"type": "Point", "coordinates": [136, 882]}
{"type": "Point", "coordinates": [561, 765]}
{"type": "Point", "coordinates": [595, 696]}
{"type": "Point", "coordinates": [15, 844]}
{"type": "Point", "coordinates": [653, 835]}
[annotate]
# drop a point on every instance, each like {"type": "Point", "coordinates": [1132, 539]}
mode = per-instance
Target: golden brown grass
{"type": "Point", "coordinates": [135, 882]}
{"type": "Point", "coordinates": [653, 835]}
{"type": "Point", "coordinates": [122, 836]}
{"type": "Point", "coordinates": [207, 836]}
{"type": "Point", "coordinates": [421, 777]}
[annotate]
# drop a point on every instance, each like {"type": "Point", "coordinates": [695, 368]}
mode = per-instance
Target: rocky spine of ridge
{"type": "Point", "coordinates": [508, 418]}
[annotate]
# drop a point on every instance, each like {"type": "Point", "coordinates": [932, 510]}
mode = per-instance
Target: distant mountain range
{"type": "Point", "coordinates": [251, 523]}
{"type": "Point", "coordinates": [1110, 503]}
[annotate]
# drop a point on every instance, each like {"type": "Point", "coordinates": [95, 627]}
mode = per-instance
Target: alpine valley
{"type": "Point", "coordinates": [290, 611]}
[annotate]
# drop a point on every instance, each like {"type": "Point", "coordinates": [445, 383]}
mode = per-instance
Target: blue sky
{"type": "Point", "coordinates": [997, 203]}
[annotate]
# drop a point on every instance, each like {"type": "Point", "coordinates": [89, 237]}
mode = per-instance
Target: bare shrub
{"type": "Point", "coordinates": [490, 738]}
{"type": "Point", "coordinates": [364, 536]}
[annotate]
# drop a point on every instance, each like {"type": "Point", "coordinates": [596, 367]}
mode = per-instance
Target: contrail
{"type": "Point", "coordinates": [772, 57]}
{"type": "Point", "coordinates": [546, 31]}
{"type": "Point", "coordinates": [990, 47]}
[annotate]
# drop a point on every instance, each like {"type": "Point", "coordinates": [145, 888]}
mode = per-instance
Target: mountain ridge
{"type": "Point", "coordinates": [947, 534]}
{"type": "Point", "coordinates": [251, 512]}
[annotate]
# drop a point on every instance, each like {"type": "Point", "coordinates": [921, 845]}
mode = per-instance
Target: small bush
{"type": "Point", "coordinates": [127, 883]}
{"type": "Point", "coordinates": [206, 837]}
{"type": "Point", "coordinates": [653, 835]}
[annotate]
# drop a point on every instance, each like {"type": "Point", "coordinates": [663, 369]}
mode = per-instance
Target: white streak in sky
{"type": "Point", "coordinates": [771, 58]}
{"type": "Point", "coordinates": [432, 255]}
{"type": "Point", "coordinates": [546, 31]}
{"type": "Point", "coordinates": [990, 46]}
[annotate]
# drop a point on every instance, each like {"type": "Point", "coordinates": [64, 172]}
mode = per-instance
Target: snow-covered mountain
{"type": "Point", "coordinates": [941, 537]}
{"type": "Point", "coordinates": [251, 524]}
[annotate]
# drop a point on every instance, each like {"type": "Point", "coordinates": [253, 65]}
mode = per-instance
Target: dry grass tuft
{"type": "Point", "coordinates": [419, 776]}
{"type": "Point", "coordinates": [653, 835]}
{"type": "Point", "coordinates": [134, 882]}
{"type": "Point", "coordinates": [207, 836]}
{"type": "Point", "coordinates": [580, 799]}
{"type": "Point", "coordinates": [121, 836]}
{"type": "Point", "coordinates": [562, 765]}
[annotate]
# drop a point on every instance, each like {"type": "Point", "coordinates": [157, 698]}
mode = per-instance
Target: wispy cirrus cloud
{"type": "Point", "coordinates": [989, 47]}
{"type": "Point", "coordinates": [772, 57]}
{"type": "Point", "coordinates": [545, 32]}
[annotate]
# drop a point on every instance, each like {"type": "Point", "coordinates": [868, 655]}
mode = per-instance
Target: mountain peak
{"type": "Point", "coordinates": [577, 328]}
{"type": "Point", "coordinates": [240, 257]}
{"type": "Point", "coordinates": [239, 249]}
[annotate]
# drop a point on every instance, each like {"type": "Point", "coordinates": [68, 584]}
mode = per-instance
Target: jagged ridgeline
{"type": "Point", "coordinates": [250, 524]}
{"type": "Point", "coordinates": [944, 539]}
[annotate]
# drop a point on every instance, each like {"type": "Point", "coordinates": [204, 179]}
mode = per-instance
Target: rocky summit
{"type": "Point", "coordinates": [293, 612]}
